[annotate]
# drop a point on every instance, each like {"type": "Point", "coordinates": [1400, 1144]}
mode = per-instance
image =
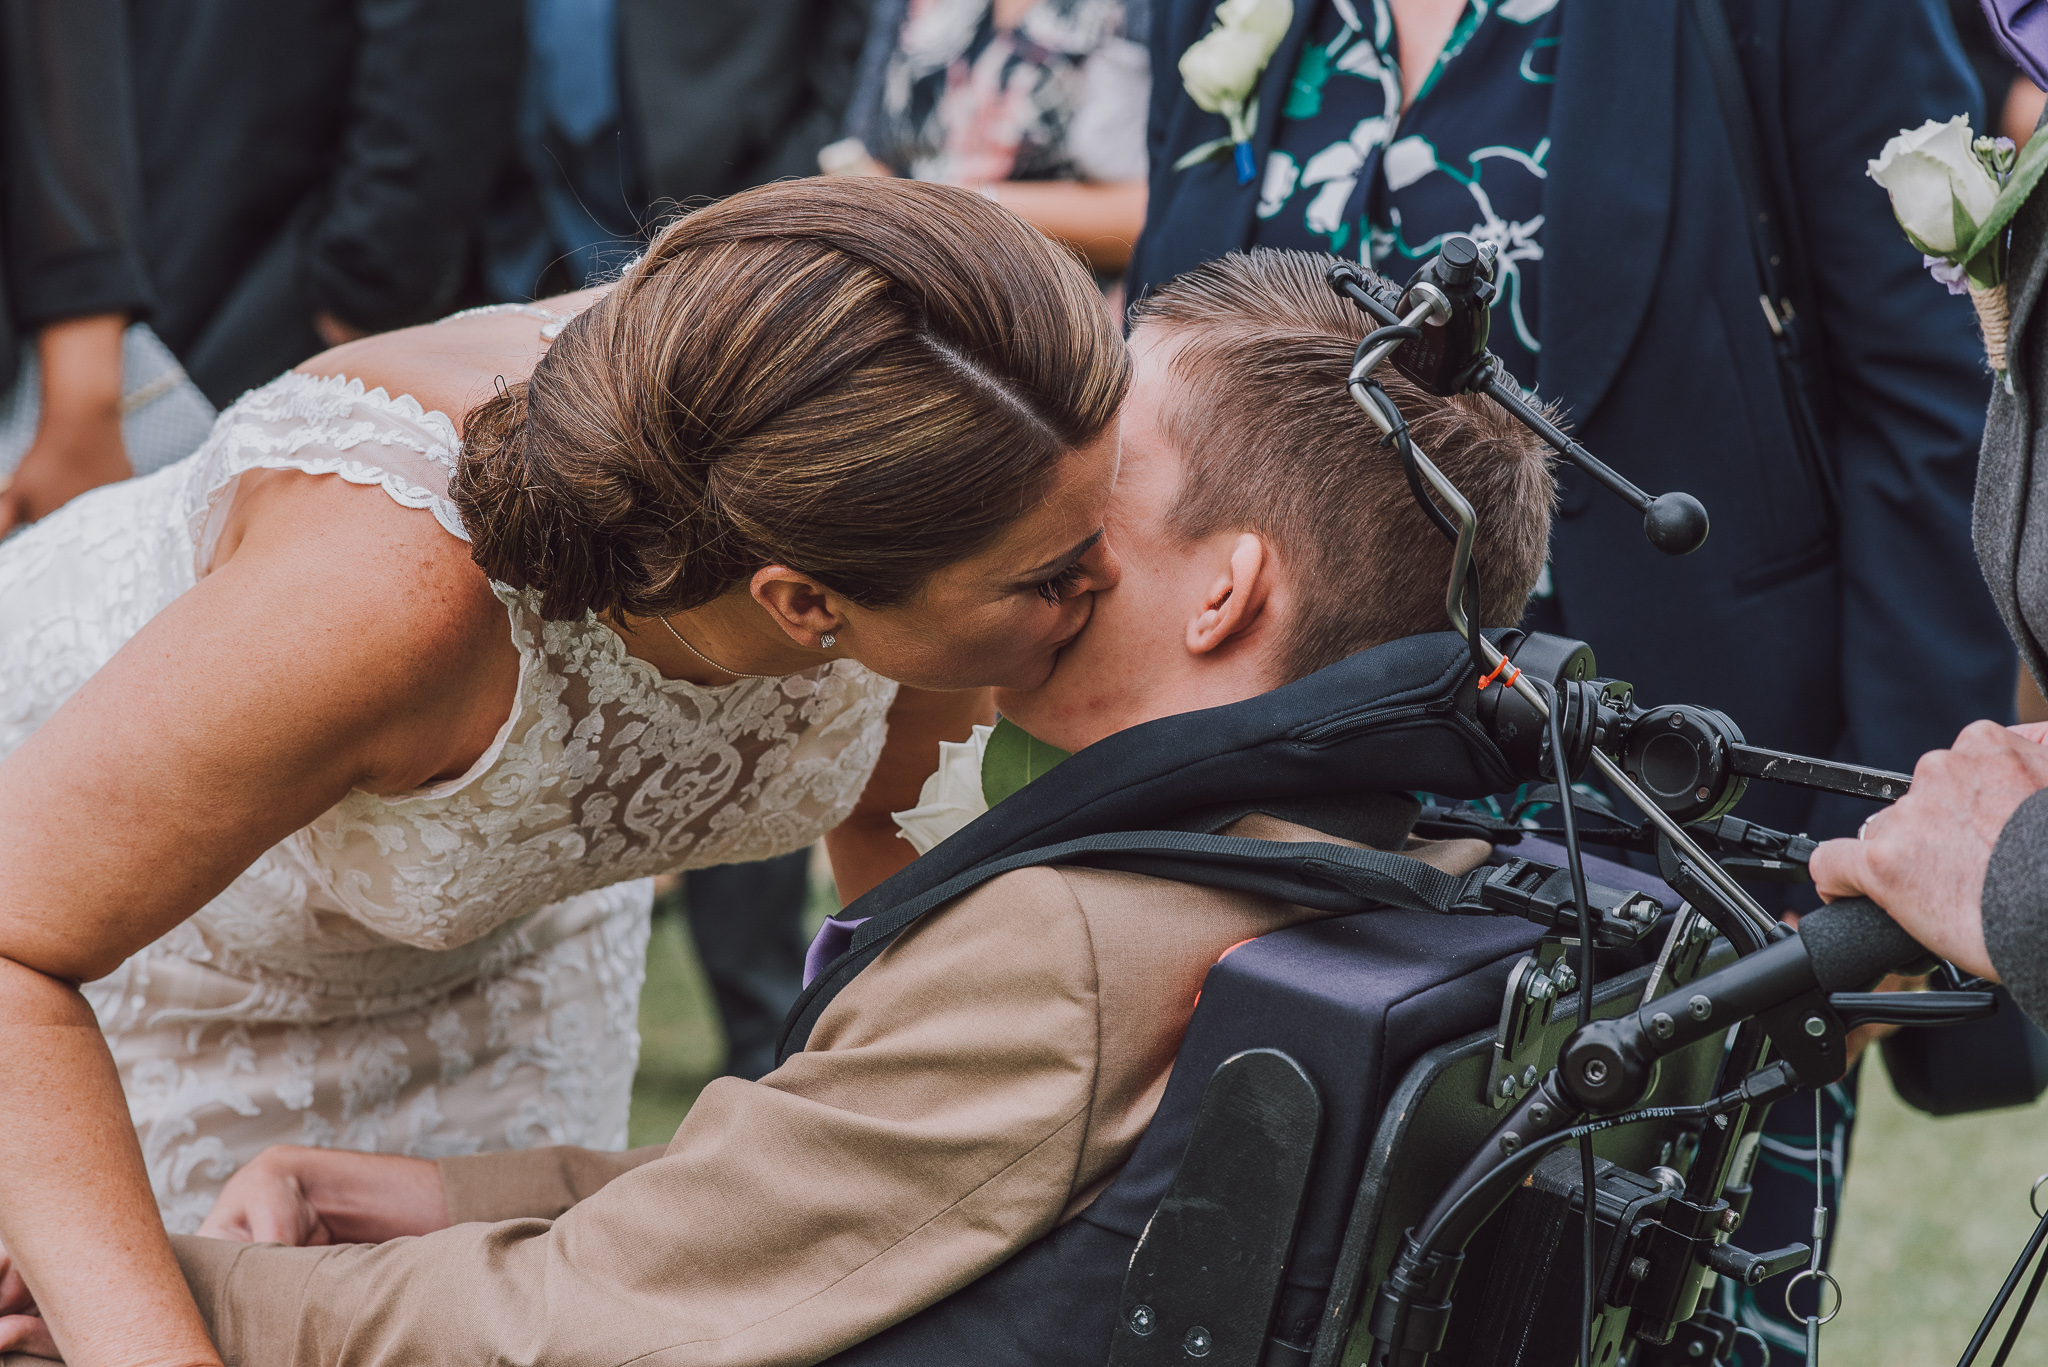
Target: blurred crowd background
{"type": "Point", "coordinates": [202, 193]}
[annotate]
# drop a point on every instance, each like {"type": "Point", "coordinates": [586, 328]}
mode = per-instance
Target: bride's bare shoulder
{"type": "Point", "coordinates": [392, 609]}
{"type": "Point", "coordinates": [457, 363]}
{"type": "Point", "coordinates": [295, 527]}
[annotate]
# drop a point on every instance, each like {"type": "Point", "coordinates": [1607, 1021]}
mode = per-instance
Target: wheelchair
{"type": "Point", "coordinates": [1360, 1156]}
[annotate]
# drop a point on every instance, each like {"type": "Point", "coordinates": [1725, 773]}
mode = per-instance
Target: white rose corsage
{"type": "Point", "coordinates": [1222, 69]}
{"type": "Point", "coordinates": [1955, 194]}
{"type": "Point", "coordinates": [973, 776]}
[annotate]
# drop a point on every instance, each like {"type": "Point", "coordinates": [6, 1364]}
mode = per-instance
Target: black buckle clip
{"type": "Point", "coordinates": [1543, 894]}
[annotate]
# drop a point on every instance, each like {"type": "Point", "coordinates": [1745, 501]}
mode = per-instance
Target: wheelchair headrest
{"type": "Point", "coordinates": [1385, 720]}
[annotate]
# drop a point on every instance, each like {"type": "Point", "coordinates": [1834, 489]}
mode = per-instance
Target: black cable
{"type": "Point", "coordinates": [1404, 447]}
{"type": "Point", "coordinates": [1526, 1157]}
{"type": "Point", "coordinates": [2005, 1294]}
{"type": "Point", "coordinates": [1584, 906]}
{"type": "Point", "coordinates": [2019, 1316]}
{"type": "Point", "coordinates": [1396, 332]}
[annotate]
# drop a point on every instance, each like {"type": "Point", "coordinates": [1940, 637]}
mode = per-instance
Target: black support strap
{"type": "Point", "coordinates": [1336, 878]}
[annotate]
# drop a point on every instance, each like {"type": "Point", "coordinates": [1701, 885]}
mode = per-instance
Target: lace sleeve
{"type": "Point", "coordinates": [324, 425]}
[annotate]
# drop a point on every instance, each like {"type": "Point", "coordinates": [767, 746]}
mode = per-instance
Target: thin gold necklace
{"type": "Point", "coordinates": [736, 673]}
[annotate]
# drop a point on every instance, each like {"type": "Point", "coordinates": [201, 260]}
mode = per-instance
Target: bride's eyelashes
{"type": "Point", "coordinates": [1055, 589]}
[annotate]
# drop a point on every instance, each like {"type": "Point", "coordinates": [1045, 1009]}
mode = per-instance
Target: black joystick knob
{"type": "Point", "coordinates": [1675, 523]}
{"type": "Point", "coordinates": [1457, 260]}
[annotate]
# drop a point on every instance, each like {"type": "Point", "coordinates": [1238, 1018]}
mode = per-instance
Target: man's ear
{"type": "Point", "coordinates": [799, 604]}
{"type": "Point", "coordinates": [1236, 598]}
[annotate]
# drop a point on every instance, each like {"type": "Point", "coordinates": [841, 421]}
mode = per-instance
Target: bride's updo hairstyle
{"type": "Point", "coordinates": [864, 380]}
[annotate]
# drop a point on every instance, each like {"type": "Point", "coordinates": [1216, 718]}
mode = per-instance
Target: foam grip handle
{"type": "Point", "coordinates": [1854, 942]}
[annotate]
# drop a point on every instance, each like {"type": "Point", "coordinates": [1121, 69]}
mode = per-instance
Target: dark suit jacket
{"type": "Point", "coordinates": [67, 170]}
{"type": "Point", "coordinates": [307, 155]}
{"type": "Point", "coordinates": [725, 95]}
{"type": "Point", "coordinates": [1872, 640]}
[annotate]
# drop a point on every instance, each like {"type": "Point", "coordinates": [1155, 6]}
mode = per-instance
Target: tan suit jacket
{"type": "Point", "coordinates": [978, 1084]}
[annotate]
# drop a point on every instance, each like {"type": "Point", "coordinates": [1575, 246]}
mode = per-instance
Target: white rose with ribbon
{"type": "Point", "coordinates": [1222, 69]}
{"type": "Point", "coordinates": [1954, 194]}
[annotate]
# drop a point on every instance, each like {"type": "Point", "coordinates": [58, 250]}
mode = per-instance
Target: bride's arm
{"type": "Point", "coordinates": [346, 644]}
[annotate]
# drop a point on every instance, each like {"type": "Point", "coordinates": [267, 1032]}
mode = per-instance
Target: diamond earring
{"type": "Point", "coordinates": [827, 642]}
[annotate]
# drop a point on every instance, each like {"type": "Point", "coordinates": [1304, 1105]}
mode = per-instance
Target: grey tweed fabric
{"type": "Point", "coordinates": [2010, 526]}
{"type": "Point", "coordinates": [2016, 906]}
{"type": "Point", "coordinates": [2012, 547]}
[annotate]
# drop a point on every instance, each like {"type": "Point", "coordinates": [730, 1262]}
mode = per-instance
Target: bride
{"type": "Point", "coordinates": [328, 752]}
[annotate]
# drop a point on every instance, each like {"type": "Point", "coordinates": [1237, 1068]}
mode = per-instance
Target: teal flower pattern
{"type": "Point", "coordinates": [1350, 173]}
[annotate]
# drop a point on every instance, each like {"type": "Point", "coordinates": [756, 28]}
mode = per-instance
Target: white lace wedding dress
{"type": "Point", "coordinates": [450, 971]}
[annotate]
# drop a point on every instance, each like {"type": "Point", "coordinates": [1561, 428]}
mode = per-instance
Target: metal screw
{"type": "Point", "coordinates": [1197, 1343]}
{"type": "Point", "coordinates": [1595, 1071]}
{"type": "Point", "coordinates": [1704, 793]}
{"type": "Point", "coordinates": [1141, 1321]}
{"type": "Point", "coordinates": [1887, 790]}
{"type": "Point", "coordinates": [1676, 722]}
{"type": "Point", "coordinates": [1510, 1141]}
{"type": "Point", "coordinates": [1638, 1268]}
{"type": "Point", "coordinates": [1730, 1218]}
{"type": "Point", "coordinates": [1507, 1086]}
{"type": "Point", "coordinates": [1539, 1114]}
{"type": "Point", "coordinates": [1815, 1027]}
{"type": "Point", "coordinates": [1662, 1026]}
{"type": "Point", "coordinates": [1529, 1076]}
{"type": "Point", "coordinates": [1699, 1008]}
{"type": "Point", "coordinates": [1696, 1349]}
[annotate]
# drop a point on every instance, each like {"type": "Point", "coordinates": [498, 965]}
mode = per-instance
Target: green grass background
{"type": "Point", "coordinates": [1935, 1214]}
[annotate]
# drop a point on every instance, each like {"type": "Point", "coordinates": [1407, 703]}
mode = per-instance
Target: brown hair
{"type": "Point", "coordinates": [866, 380]}
{"type": "Point", "coordinates": [1273, 444]}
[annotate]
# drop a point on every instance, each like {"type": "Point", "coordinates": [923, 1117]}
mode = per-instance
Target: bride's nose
{"type": "Point", "coordinates": [1105, 569]}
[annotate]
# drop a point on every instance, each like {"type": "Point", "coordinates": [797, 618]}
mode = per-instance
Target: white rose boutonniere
{"type": "Point", "coordinates": [1222, 69]}
{"type": "Point", "coordinates": [951, 797]}
{"type": "Point", "coordinates": [973, 776]}
{"type": "Point", "coordinates": [1955, 194]}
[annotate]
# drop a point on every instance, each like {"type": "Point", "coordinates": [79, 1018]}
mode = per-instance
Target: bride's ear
{"type": "Point", "coordinates": [805, 609]}
{"type": "Point", "coordinates": [1237, 597]}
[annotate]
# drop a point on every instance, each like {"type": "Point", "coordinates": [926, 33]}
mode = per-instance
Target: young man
{"type": "Point", "coordinates": [984, 1079]}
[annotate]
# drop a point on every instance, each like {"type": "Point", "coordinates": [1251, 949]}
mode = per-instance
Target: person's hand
{"type": "Point", "coordinates": [312, 1197]}
{"type": "Point", "coordinates": [22, 1329]}
{"type": "Point", "coordinates": [77, 444]}
{"type": "Point", "coordinates": [1923, 858]}
{"type": "Point", "coordinates": [265, 1202]}
{"type": "Point", "coordinates": [69, 456]}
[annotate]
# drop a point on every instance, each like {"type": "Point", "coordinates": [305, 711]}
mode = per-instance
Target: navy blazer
{"type": "Point", "coordinates": [1873, 640]}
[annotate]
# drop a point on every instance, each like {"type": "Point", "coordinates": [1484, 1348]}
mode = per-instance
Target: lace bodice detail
{"type": "Point", "coordinates": [604, 770]}
{"type": "Point", "coordinates": [451, 970]}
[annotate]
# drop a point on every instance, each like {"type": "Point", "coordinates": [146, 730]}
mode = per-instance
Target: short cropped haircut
{"type": "Point", "coordinates": [1273, 444]}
